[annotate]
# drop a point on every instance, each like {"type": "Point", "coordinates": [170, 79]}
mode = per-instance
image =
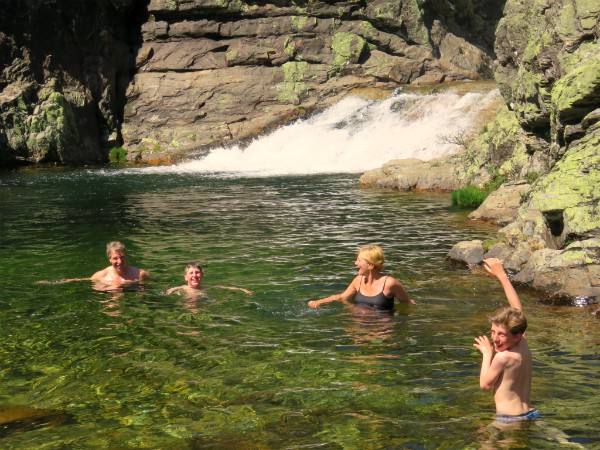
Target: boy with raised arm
{"type": "Point", "coordinates": [508, 372]}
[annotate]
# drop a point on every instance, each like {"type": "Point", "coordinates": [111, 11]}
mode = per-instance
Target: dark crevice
{"type": "Point", "coordinates": [555, 222]}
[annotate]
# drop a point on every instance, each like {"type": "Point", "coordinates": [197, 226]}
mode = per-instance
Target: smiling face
{"type": "Point", "coordinates": [193, 276]}
{"type": "Point", "coordinates": [503, 339]}
{"type": "Point", "coordinates": [363, 265]}
{"type": "Point", "coordinates": [118, 260]}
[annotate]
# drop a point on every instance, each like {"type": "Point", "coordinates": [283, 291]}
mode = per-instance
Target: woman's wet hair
{"type": "Point", "coordinates": [511, 318]}
{"type": "Point", "coordinates": [372, 254]}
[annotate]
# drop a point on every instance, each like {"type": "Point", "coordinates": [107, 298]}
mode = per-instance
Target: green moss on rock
{"type": "Point", "coordinates": [53, 127]}
{"type": "Point", "coordinates": [293, 86]}
{"type": "Point", "coordinates": [347, 48]}
{"type": "Point", "coordinates": [573, 186]}
{"type": "Point", "coordinates": [577, 92]}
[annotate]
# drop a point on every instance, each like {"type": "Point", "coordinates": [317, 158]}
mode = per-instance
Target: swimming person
{"type": "Point", "coordinates": [193, 275]}
{"type": "Point", "coordinates": [117, 274]}
{"type": "Point", "coordinates": [370, 287]}
{"type": "Point", "coordinates": [509, 371]}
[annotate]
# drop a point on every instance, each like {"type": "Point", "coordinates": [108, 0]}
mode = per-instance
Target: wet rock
{"type": "Point", "coordinates": [501, 205]}
{"type": "Point", "coordinates": [413, 175]}
{"type": "Point", "coordinates": [469, 252]}
{"type": "Point", "coordinates": [573, 271]}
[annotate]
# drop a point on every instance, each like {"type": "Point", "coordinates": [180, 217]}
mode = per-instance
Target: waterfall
{"type": "Point", "coordinates": [353, 136]}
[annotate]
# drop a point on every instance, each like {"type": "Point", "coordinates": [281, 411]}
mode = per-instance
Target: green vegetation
{"type": "Point", "coordinates": [488, 244]}
{"type": "Point", "coordinates": [117, 155]}
{"type": "Point", "coordinates": [495, 183]}
{"type": "Point", "coordinates": [532, 177]}
{"type": "Point", "coordinates": [469, 197]}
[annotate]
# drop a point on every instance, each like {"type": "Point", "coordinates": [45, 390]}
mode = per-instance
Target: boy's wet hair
{"type": "Point", "coordinates": [115, 246]}
{"type": "Point", "coordinates": [511, 318]}
{"type": "Point", "coordinates": [193, 265]}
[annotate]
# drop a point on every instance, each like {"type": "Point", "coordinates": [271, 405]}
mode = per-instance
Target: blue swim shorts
{"type": "Point", "coordinates": [529, 415]}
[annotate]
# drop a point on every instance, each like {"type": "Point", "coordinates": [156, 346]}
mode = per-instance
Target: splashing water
{"type": "Point", "coordinates": [352, 136]}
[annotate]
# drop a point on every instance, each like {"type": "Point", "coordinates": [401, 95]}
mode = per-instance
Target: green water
{"type": "Point", "coordinates": [145, 370]}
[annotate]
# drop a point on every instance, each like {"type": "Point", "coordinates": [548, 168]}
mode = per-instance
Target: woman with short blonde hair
{"type": "Point", "coordinates": [370, 287]}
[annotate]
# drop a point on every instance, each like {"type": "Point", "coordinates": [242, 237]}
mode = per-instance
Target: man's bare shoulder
{"type": "Point", "coordinates": [101, 274]}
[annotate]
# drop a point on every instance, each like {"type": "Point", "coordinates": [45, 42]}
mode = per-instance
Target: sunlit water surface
{"type": "Point", "coordinates": [144, 370]}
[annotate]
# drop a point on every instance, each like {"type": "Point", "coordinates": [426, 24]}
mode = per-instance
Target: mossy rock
{"type": "Point", "coordinates": [347, 48]}
{"type": "Point", "coordinates": [577, 93]}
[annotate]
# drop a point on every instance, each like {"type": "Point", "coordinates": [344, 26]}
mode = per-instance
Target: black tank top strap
{"type": "Point", "coordinates": [384, 281]}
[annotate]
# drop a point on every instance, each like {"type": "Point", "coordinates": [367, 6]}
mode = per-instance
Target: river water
{"type": "Point", "coordinates": [142, 369]}
{"type": "Point", "coordinates": [139, 369]}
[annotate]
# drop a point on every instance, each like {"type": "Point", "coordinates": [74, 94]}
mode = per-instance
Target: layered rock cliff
{"type": "Point", "coordinates": [173, 77]}
{"type": "Point", "coordinates": [209, 73]}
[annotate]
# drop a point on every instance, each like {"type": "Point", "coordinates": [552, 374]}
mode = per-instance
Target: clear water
{"type": "Point", "coordinates": [145, 370]}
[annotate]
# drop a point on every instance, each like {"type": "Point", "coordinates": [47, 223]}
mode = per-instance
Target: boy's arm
{"type": "Point", "coordinates": [232, 288]}
{"type": "Point", "coordinates": [495, 267]}
{"type": "Point", "coordinates": [491, 367]}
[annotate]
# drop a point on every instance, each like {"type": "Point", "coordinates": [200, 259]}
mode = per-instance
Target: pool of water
{"type": "Point", "coordinates": [139, 369]}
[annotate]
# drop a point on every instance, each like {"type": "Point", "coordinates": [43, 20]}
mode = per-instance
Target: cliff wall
{"type": "Point", "coordinates": [549, 75]}
{"type": "Point", "coordinates": [64, 68]}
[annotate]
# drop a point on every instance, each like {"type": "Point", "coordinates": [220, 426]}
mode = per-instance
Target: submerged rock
{"type": "Point", "coordinates": [470, 252]}
{"type": "Point", "coordinates": [18, 419]}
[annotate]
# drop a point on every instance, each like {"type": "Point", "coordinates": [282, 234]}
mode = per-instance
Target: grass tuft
{"type": "Point", "coordinates": [468, 197]}
{"type": "Point", "coordinates": [117, 154]}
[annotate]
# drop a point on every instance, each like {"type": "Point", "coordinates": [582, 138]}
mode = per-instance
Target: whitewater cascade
{"type": "Point", "coordinates": [352, 136]}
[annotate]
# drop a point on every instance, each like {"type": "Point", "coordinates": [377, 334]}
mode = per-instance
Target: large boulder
{"type": "Point", "coordinates": [413, 175]}
{"type": "Point", "coordinates": [501, 205]}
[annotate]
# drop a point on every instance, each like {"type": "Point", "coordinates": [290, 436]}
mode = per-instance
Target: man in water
{"type": "Point", "coordinates": [118, 272]}
{"type": "Point", "coordinates": [509, 371]}
{"type": "Point", "coordinates": [115, 275]}
{"type": "Point", "coordinates": [193, 276]}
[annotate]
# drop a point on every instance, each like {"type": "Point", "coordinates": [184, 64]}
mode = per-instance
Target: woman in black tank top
{"type": "Point", "coordinates": [370, 287]}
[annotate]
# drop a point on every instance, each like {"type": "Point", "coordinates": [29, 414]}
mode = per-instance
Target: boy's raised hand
{"type": "Point", "coordinates": [494, 266]}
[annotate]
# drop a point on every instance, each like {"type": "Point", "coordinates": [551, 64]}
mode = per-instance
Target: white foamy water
{"type": "Point", "coordinates": [352, 136]}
